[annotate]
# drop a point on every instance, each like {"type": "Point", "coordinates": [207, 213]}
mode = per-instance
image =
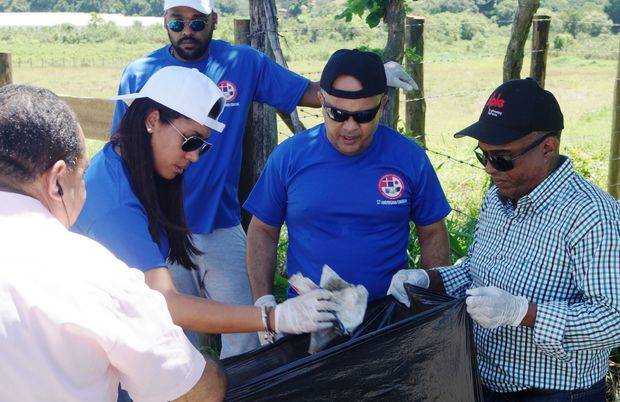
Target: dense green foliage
{"type": "Point", "coordinates": [128, 7]}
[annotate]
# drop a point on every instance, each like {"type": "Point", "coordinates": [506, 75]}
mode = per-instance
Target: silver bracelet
{"type": "Point", "coordinates": [268, 336]}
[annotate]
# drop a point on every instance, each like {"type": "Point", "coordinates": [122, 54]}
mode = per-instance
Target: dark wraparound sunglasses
{"type": "Point", "coordinates": [194, 25]}
{"type": "Point", "coordinates": [504, 163]}
{"type": "Point", "coordinates": [193, 143]}
{"type": "Point", "coordinates": [361, 116]}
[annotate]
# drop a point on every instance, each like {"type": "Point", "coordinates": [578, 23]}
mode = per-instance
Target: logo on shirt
{"type": "Point", "coordinates": [391, 186]}
{"type": "Point", "coordinates": [229, 89]}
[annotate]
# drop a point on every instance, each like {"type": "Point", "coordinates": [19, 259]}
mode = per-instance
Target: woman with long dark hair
{"type": "Point", "coordinates": [135, 204]}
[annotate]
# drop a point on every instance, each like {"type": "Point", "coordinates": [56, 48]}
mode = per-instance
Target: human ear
{"type": "Point", "coordinates": [53, 188]}
{"type": "Point", "coordinates": [151, 120]}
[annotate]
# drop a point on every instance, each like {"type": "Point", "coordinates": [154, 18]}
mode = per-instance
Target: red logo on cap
{"type": "Point", "coordinates": [496, 101]}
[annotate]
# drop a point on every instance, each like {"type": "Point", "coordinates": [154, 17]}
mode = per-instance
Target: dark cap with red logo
{"type": "Point", "coordinates": [515, 109]}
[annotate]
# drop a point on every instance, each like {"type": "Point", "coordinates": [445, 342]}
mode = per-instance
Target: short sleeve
{"type": "Point", "coordinates": [429, 203]}
{"type": "Point", "coordinates": [268, 198]}
{"type": "Point", "coordinates": [279, 87]}
{"type": "Point", "coordinates": [124, 231]}
{"type": "Point", "coordinates": [154, 359]}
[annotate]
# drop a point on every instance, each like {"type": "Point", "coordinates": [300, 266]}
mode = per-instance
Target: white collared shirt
{"type": "Point", "coordinates": [74, 320]}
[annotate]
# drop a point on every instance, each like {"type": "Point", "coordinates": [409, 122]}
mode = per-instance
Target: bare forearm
{"type": "Point", "coordinates": [530, 317]}
{"type": "Point", "coordinates": [435, 281]}
{"type": "Point", "coordinates": [434, 245]}
{"type": "Point", "coordinates": [310, 98]}
{"type": "Point", "coordinates": [261, 258]}
{"type": "Point", "coordinates": [200, 314]}
{"type": "Point", "coordinates": [208, 316]}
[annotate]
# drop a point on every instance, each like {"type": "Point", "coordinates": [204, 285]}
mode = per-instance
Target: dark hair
{"type": "Point", "coordinates": [162, 199]}
{"type": "Point", "coordinates": [37, 129]}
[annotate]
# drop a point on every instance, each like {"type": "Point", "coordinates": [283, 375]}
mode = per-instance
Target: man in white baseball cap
{"type": "Point", "coordinates": [212, 207]}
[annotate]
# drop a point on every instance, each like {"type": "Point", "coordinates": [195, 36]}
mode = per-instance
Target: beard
{"type": "Point", "coordinates": [200, 49]}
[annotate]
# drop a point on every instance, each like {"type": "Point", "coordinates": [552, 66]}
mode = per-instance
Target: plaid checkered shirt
{"type": "Point", "coordinates": [560, 248]}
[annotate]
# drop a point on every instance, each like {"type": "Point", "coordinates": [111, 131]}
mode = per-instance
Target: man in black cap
{"type": "Point", "coordinates": [542, 271]}
{"type": "Point", "coordinates": [347, 190]}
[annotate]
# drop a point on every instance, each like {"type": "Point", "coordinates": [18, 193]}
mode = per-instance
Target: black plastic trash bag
{"type": "Point", "coordinates": [424, 353]}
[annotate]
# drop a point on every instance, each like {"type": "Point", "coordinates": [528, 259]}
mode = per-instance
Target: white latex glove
{"type": "Point", "coordinates": [417, 277]}
{"type": "Point", "coordinates": [309, 312]}
{"type": "Point", "coordinates": [397, 77]}
{"type": "Point", "coordinates": [493, 307]}
{"type": "Point", "coordinates": [265, 301]}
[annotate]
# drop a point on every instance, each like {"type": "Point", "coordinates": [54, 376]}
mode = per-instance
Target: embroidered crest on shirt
{"type": "Point", "coordinates": [391, 186]}
{"type": "Point", "coordinates": [229, 89]}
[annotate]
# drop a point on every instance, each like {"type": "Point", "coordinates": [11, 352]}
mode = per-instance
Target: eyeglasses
{"type": "Point", "coordinates": [192, 143]}
{"type": "Point", "coordinates": [361, 116]}
{"type": "Point", "coordinates": [194, 25]}
{"type": "Point", "coordinates": [504, 163]}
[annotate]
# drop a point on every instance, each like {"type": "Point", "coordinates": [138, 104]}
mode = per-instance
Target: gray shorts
{"type": "Point", "coordinates": [222, 276]}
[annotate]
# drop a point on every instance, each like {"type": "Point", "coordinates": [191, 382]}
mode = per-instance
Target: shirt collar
{"type": "Point", "coordinates": [14, 204]}
{"type": "Point", "coordinates": [547, 191]}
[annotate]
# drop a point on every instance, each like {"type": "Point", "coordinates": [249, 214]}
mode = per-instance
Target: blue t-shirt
{"type": "Point", "coordinates": [244, 75]}
{"type": "Point", "coordinates": [349, 212]}
{"type": "Point", "coordinates": [114, 217]}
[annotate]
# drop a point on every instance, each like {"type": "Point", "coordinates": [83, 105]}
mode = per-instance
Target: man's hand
{"type": "Point", "coordinates": [397, 77]}
{"type": "Point", "coordinates": [265, 301]}
{"type": "Point", "coordinates": [417, 277]}
{"type": "Point", "coordinates": [492, 307]}
{"type": "Point", "coordinates": [309, 312]}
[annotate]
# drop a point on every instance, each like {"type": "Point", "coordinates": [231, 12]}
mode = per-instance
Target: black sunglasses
{"type": "Point", "coordinates": [504, 163]}
{"type": "Point", "coordinates": [194, 25]}
{"type": "Point", "coordinates": [361, 116]}
{"type": "Point", "coordinates": [192, 143]}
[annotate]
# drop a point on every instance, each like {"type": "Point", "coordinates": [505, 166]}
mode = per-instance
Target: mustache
{"type": "Point", "coordinates": [187, 39]}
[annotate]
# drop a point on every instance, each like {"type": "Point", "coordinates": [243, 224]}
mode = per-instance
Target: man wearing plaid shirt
{"type": "Point", "coordinates": [543, 272]}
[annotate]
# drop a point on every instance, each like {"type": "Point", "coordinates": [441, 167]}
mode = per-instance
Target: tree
{"type": "Point", "coordinates": [14, 6]}
{"type": "Point", "coordinates": [613, 11]}
{"type": "Point", "coordinates": [393, 13]}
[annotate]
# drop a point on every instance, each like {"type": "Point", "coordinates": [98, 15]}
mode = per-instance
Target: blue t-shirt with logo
{"type": "Point", "coordinates": [244, 75]}
{"type": "Point", "coordinates": [114, 217]}
{"type": "Point", "coordinates": [349, 212]}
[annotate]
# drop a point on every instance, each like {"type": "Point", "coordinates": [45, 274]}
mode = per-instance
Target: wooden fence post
{"type": "Point", "coordinates": [394, 51]}
{"type": "Point", "coordinates": [248, 173]}
{"type": "Point", "coordinates": [613, 181]}
{"type": "Point", "coordinates": [540, 45]}
{"type": "Point", "coordinates": [513, 61]}
{"type": "Point", "coordinates": [415, 107]}
{"type": "Point", "coordinates": [6, 72]}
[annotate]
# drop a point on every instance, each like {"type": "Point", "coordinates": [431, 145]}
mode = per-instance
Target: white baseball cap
{"type": "Point", "coordinates": [185, 90]}
{"type": "Point", "coordinates": [204, 6]}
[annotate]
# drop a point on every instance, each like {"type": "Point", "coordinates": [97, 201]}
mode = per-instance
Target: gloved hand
{"type": "Point", "coordinates": [397, 77]}
{"type": "Point", "coordinates": [265, 301]}
{"type": "Point", "coordinates": [417, 277]}
{"type": "Point", "coordinates": [493, 307]}
{"type": "Point", "coordinates": [309, 312]}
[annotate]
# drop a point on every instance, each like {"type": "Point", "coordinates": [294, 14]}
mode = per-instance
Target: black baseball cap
{"type": "Point", "coordinates": [515, 109]}
{"type": "Point", "coordinates": [366, 67]}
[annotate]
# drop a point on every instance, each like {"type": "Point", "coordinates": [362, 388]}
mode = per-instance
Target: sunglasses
{"type": "Point", "coordinates": [361, 116]}
{"type": "Point", "coordinates": [194, 25]}
{"type": "Point", "coordinates": [504, 163]}
{"type": "Point", "coordinates": [192, 143]}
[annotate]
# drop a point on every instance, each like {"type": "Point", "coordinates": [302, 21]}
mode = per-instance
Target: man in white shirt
{"type": "Point", "coordinates": [74, 320]}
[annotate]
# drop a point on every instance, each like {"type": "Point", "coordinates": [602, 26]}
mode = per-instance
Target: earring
{"type": "Point", "coordinates": [149, 130]}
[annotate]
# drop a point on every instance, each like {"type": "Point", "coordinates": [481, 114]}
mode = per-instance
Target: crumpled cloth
{"type": "Point", "coordinates": [351, 299]}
